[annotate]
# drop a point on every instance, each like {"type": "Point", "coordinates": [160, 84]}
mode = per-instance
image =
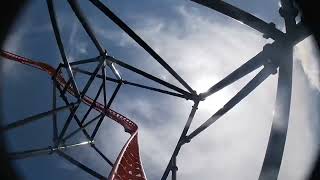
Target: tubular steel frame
{"type": "Point", "coordinates": [274, 56]}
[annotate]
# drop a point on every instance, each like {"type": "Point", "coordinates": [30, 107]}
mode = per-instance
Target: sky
{"type": "Point", "coordinates": [203, 46]}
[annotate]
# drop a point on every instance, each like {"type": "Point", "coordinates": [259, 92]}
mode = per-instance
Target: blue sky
{"type": "Point", "coordinates": [202, 46]}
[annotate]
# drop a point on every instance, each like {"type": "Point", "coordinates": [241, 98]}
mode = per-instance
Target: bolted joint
{"type": "Point", "coordinates": [184, 140]}
{"type": "Point", "coordinates": [104, 54]}
{"type": "Point", "coordinates": [91, 142]}
{"type": "Point", "coordinates": [267, 48]}
{"type": "Point", "coordinates": [272, 26]}
{"type": "Point", "coordinates": [51, 150]}
{"type": "Point", "coordinates": [288, 12]}
{"type": "Point", "coordinates": [272, 65]}
{"type": "Point", "coordinates": [174, 167]}
{"type": "Point", "coordinates": [197, 98]}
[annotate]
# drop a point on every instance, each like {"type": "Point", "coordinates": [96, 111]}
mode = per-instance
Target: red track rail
{"type": "Point", "coordinates": [128, 164]}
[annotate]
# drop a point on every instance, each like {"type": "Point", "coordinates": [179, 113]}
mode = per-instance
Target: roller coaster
{"type": "Point", "coordinates": [275, 57]}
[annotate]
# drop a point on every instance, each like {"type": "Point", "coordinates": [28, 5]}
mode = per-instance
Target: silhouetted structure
{"type": "Point", "coordinates": [277, 56]}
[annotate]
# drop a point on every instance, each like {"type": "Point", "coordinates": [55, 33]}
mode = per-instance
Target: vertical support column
{"type": "Point", "coordinates": [273, 158]}
{"type": "Point", "coordinates": [272, 161]}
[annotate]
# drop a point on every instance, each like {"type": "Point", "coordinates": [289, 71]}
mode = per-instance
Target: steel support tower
{"type": "Point", "coordinates": [275, 58]}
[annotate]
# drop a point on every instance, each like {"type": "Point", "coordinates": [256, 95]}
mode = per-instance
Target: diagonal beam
{"type": "Point", "coordinates": [102, 155]}
{"type": "Point", "coordinates": [92, 104]}
{"type": "Point", "coordinates": [134, 84]}
{"type": "Point", "coordinates": [37, 117]}
{"type": "Point", "coordinates": [115, 71]}
{"type": "Point", "coordinates": [83, 20]}
{"type": "Point", "coordinates": [64, 98]}
{"type": "Point", "coordinates": [60, 45]}
{"type": "Point", "coordinates": [106, 107]}
{"type": "Point", "coordinates": [68, 121]}
{"type": "Point", "coordinates": [255, 82]}
{"type": "Point", "coordinates": [143, 44]}
{"type": "Point", "coordinates": [80, 165]}
{"type": "Point", "coordinates": [180, 143]}
{"type": "Point", "coordinates": [42, 151]}
{"type": "Point", "coordinates": [243, 70]}
{"type": "Point", "coordinates": [242, 16]}
{"type": "Point", "coordinates": [81, 128]}
{"type": "Point", "coordinates": [66, 86]}
{"type": "Point", "coordinates": [149, 76]}
{"type": "Point", "coordinates": [77, 69]}
{"type": "Point", "coordinates": [94, 74]}
{"type": "Point", "coordinates": [85, 61]}
{"type": "Point", "coordinates": [155, 89]}
{"type": "Point", "coordinates": [290, 39]}
{"type": "Point", "coordinates": [113, 95]}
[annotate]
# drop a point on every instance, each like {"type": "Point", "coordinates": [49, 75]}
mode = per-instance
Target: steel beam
{"type": "Point", "coordinates": [149, 76]}
{"type": "Point", "coordinates": [181, 141]}
{"type": "Point", "coordinates": [106, 107]}
{"type": "Point", "coordinates": [102, 155]}
{"type": "Point", "coordinates": [64, 98]}
{"type": "Point", "coordinates": [275, 148]}
{"type": "Point", "coordinates": [81, 128]}
{"type": "Point", "coordinates": [42, 151]}
{"type": "Point", "coordinates": [269, 30]}
{"type": "Point", "coordinates": [77, 69]}
{"type": "Point", "coordinates": [136, 38]}
{"type": "Point", "coordinates": [93, 104]}
{"type": "Point", "coordinates": [60, 45]}
{"type": "Point", "coordinates": [290, 39]}
{"type": "Point", "coordinates": [80, 165]}
{"type": "Point", "coordinates": [251, 65]}
{"type": "Point", "coordinates": [155, 89]}
{"type": "Point", "coordinates": [85, 61]}
{"type": "Point", "coordinates": [54, 115]}
{"type": "Point", "coordinates": [83, 20]}
{"type": "Point", "coordinates": [36, 117]}
{"type": "Point", "coordinates": [273, 158]}
{"type": "Point", "coordinates": [255, 82]}
{"type": "Point", "coordinates": [135, 84]}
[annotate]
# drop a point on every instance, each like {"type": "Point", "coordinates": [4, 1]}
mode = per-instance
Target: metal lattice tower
{"type": "Point", "coordinates": [276, 57]}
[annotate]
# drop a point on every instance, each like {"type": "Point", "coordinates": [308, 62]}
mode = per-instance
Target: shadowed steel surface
{"type": "Point", "coordinates": [246, 18]}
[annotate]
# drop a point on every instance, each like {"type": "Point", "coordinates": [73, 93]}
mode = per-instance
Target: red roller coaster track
{"type": "Point", "coordinates": [128, 164]}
